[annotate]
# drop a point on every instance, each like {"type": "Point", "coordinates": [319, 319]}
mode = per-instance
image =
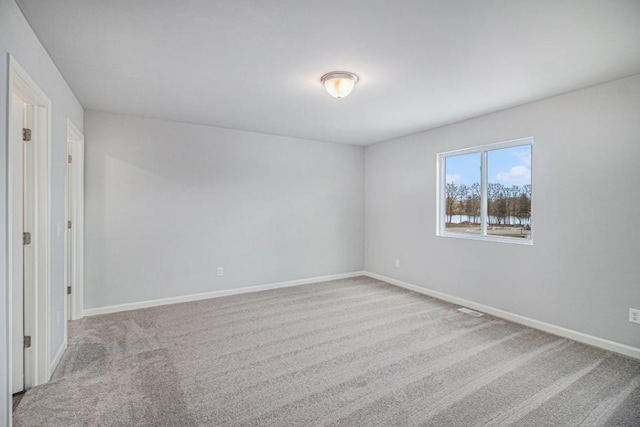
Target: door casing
{"type": "Point", "coordinates": [37, 296]}
{"type": "Point", "coordinates": [74, 237]}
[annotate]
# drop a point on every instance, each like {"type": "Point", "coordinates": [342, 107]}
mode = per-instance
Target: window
{"type": "Point", "coordinates": [485, 192]}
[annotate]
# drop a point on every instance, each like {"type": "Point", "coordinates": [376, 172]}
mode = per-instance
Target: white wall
{"type": "Point", "coordinates": [583, 271]}
{"type": "Point", "coordinates": [17, 38]}
{"type": "Point", "coordinates": [167, 203]}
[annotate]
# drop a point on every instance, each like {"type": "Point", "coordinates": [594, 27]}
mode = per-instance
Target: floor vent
{"type": "Point", "coordinates": [471, 312]}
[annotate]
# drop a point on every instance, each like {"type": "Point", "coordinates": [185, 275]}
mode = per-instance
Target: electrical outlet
{"type": "Point", "coordinates": [397, 263]}
{"type": "Point", "coordinates": [220, 271]}
{"type": "Point", "coordinates": [634, 315]}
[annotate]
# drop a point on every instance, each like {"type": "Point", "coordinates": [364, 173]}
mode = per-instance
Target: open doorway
{"type": "Point", "coordinates": [75, 223]}
{"type": "Point", "coordinates": [28, 225]}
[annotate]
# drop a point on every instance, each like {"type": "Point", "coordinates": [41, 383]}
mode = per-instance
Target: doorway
{"type": "Point", "coordinates": [75, 223]}
{"type": "Point", "coordinates": [28, 230]}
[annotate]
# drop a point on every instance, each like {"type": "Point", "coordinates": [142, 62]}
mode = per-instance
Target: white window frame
{"type": "Point", "coordinates": [441, 195]}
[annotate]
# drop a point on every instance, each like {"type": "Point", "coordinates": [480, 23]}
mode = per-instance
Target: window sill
{"type": "Point", "coordinates": [512, 240]}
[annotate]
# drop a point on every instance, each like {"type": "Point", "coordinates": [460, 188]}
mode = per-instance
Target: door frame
{"type": "Point", "coordinates": [20, 82]}
{"type": "Point", "coordinates": [74, 278]}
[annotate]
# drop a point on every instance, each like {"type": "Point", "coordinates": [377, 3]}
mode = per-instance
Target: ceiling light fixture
{"type": "Point", "coordinates": [339, 84]}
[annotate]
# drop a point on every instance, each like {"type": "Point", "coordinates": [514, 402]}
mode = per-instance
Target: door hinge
{"type": "Point", "coordinates": [26, 134]}
{"type": "Point", "coordinates": [69, 225]}
{"type": "Point", "coordinates": [69, 158]}
{"type": "Point", "coordinates": [27, 341]}
{"type": "Point", "coordinates": [69, 290]}
{"type": "Point", "coordinates": [26, 238]}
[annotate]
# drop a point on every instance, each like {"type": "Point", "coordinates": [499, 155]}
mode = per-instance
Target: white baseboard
{"type": "Point", "coordinates": [56, 360]}
{"type": "Point", "coordinates": [591, 340]}
{"type": "Point", "coordinates": [215, 294]}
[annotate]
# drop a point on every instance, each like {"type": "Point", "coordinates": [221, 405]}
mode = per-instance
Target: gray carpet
{"type": "Point", "coordinates": [355, 352]}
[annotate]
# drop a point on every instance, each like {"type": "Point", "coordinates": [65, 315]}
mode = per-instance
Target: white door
{"type": "Point", "coordinates": [17, 286]}
{"type": "Point", "coordinates": [69, 225]}
{"type": "Point", "coordinates": [22, 189]}
{"type": "Point", "coordinates": [28, 212]}
{"type": "Point", "coordinates": [75, 222]}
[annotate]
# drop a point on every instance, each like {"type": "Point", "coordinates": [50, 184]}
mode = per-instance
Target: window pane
{"type": "Point", "coordinates": [509, 192]}
{"type": "Point", "coordinates": [462, 193]}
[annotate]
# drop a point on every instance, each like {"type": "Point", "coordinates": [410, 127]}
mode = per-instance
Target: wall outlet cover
{"type": "Point", "coordinates": [634, 315]}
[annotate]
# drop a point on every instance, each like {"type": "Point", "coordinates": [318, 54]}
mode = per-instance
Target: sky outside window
{"type": "Point", "coordinates": [507, 166]}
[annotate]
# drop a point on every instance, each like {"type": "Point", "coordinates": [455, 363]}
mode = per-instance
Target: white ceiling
{"type": "Point", "coordinates": [256, 65]}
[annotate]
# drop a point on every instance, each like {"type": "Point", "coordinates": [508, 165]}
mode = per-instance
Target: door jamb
{"type": "Point", "coordinates": [77, 292]}
{"type": "Point", "coordinates": [20, 81]}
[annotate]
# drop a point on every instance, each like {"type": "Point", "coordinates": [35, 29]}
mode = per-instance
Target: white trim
{"type": "Point", "coordinates": [484, 194]}
{"type": "Point", "coordinates": [489, 147]}
{"type": "Point", "coordinates": [216, 294]}
{"type": "Point", "coordinates": [75, 308]}
{"type": "Point", "coordinates": [57, 358]}
{"type": "Point", "coordinates": [591, 340]}
{"type": "Point", "coordinates": [486, 238]}
{"type": "Point", "coordinates": [21, 82]}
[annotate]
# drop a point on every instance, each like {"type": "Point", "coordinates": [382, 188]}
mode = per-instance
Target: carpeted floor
{"type": "Point", "coordinates": [355, 352]}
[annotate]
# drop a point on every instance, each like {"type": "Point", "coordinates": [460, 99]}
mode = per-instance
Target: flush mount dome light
{"type": "Point", "coordinates": [339, 83]}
